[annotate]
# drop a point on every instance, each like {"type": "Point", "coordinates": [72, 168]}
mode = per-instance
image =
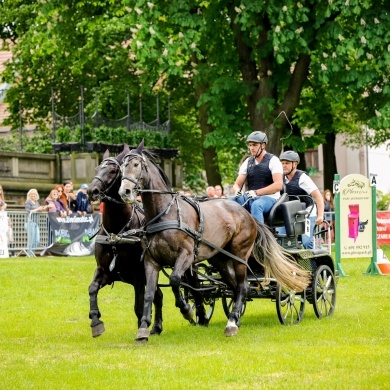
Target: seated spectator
{"type": "Point", "coordinates": [84, 207]}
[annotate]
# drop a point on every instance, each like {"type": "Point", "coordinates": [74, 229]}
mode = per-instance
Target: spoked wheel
{"type": "Point", "coordinates": [228, 303]}
{"type": "Point", "coordinates": [324, 292]}
{"type": "Point", "coordinates": [290, 305]}
{"type": "Point", "coordinates": [208, 303]}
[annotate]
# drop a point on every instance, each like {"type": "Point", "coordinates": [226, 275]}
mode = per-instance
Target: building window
{"type": "Point", "coordinates": [311, 159]}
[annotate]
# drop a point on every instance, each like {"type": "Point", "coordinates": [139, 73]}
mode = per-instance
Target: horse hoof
{"type": "Point", "coordinates": [143, 334]}
{"type": "Point", "coordinates": [189, 316]}
{"type": "Point", "coordinates": [140, 341]}
{"type": "Point", "coordinates": [155, 331]}
{"type": "Point", "coordinates": [231, 331]}
{"type": "Point", "coordinates": [98, 330]}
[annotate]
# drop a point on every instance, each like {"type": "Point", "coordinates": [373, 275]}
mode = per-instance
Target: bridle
{"type": "Point", "coordinates": [144, 167]}
{"type": "Point", "coordinates": [103, 194]}
{"type": "Point", "coordinates": [131, 156]}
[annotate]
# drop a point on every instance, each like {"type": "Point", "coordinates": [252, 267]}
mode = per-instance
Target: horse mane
{"type": "Point", "coordinates": [152, 158]}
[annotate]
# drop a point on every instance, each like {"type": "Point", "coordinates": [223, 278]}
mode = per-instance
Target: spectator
{"type": "Point", "coordinates": [54, 205]}
{"type": "Point", "coordinates": [3, 205]}
{"type": "Point", "coordinates": [71, 195]}
{"type": "Point", "coordinates": [329, 211]}
{"type": "Point", "coordinates": [210, 192]}
{"type": "Point", "coordinates": [328, 205]}
{"type": "Point", "coordinates": [9, 232]}
{"type": "Point", "coordinates": [219, 191]}
{"type": "Point", "coordinates": [32, 207]}
{"type": "Point", "coordinates": [63, 195]}
{"type": "Point", "coordinates": [263, 174]}
{"type": "Point", "coordinates": [84, 207]}
{"type": "Point", "coordinates": [3, 234]}
{"type": "Point", "coordinates": [298, 183]}
{"type": "Point", "coordinates": [60, 199]}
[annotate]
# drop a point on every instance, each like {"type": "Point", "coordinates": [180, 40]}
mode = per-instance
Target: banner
{"type": "Point", "coordinates": [355, 217]}
{"type": "Point", "coordinates": [70, 235]}
{"type": "Point", "coordinates": [383, 227]}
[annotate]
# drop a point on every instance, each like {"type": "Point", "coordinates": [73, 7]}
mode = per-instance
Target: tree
{"type": "Point", "coordinates": [241, 63]}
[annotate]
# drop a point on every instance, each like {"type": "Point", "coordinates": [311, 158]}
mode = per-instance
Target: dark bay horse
{"type": "Point", "coordinates": [117, 261]}
{"type": "Point", "coordinates": [180, 232]}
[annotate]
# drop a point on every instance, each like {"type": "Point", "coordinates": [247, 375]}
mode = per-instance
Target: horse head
{"type": "Point", "coordinates": [134, 174]}
{"type": "Point", "coordinates": [107, 178]}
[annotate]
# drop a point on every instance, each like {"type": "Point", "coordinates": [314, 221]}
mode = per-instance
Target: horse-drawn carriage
{"type": "Point", "coordinates": [246, 260]}
{"type": "Point", "coordinates": [290, 304]}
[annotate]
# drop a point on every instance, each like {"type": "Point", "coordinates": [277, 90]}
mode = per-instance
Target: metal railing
{"type": "Point", "coordinates": [30, 234]}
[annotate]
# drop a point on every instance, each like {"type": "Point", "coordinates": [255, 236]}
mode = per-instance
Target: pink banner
{"type": "Point", "coordinates": [383, 227]}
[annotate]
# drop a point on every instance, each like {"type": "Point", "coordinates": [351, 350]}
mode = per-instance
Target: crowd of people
{"type": "Point", "coordinates": [62, 200]}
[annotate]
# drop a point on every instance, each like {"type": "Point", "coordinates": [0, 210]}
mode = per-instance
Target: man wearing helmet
{"type": "Point", "coordinates": [298, 183]}
{"type": "Point", "coordinates": [263, 174]}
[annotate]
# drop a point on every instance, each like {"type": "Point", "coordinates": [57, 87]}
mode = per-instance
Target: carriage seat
{"type": "Point", "coordinates": [275, 217]}
{"type": "Point", "coordinates": [291, 215]}
{"type": "Point", "coordinates": [294, 214]}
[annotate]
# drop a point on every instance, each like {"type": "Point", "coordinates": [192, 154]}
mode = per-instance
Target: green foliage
{"type": "Point", "coordinates": [38, 144]}
{"type": "Point", "coordinates": [232, 66]}
{"type": "Point", "coordinates": [383, 201]}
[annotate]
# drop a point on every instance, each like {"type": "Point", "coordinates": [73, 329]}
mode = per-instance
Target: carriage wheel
{"type": "Point", "coordinates": [290, 305]}
{"type": "Point", "coordinates": [324, 292]}
{"type": "Point", "coordinates": [227, 303]}
{"type": "Point", "coordinates": [208, 302]}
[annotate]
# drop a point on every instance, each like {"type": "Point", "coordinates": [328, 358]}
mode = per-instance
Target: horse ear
{"type": "Point", "coordinates": [140, 147]}
{"type": "Point", "coordinates": [106, 154]}
{"type": "Point", "coordinates": [126, 148]}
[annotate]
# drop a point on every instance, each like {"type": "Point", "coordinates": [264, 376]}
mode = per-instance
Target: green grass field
{"type": "Point", "coordinates": [46, 343]}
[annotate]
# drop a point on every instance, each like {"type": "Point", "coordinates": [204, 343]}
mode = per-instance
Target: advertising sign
{"type": "Point", "coordinates": [383, 227]}
{"type": "Point", "coordinates": [356, 217]}
{"type": "Point", "coordinates": [70, 235]}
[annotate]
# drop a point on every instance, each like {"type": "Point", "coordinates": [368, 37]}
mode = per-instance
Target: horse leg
{"type": "Point", "coordinates": [193, 281]}
{"type": "Point", "coordinates": [99, 280]}
{"type": "Point", "coordinates": [240, 298]}
{"type": "Point", "coordinates": [151, 272]}
{"type": "Point", "coordinates": [158, 303]}
{"type": "Point", "coordinates": [182, 264]}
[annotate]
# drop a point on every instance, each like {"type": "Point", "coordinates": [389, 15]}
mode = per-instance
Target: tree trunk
{"type": "Point", "coordinates": [209, 154]}
{"type": "Point", "coordinates": [330, 166]}
{"type": "Point", "coordinates": [260, 80]}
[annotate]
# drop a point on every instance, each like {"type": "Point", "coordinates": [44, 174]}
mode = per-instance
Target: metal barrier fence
{"type": "Point", "coordinates": [30, 234]}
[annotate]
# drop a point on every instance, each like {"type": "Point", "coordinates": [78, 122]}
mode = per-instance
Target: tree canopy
{"type": "Point", "coordinates": [231, 67]}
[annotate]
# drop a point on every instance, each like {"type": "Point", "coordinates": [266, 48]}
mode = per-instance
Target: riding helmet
{"type": "Point", "coordinates": [289, 155]}
{"type": "Point", "coordinates": [257, 136]}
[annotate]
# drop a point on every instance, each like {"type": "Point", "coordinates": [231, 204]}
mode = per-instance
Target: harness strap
{"type": "Point", "coordinates": [158, 227]}
{"type": "Point", "coordinates": [114, 239]}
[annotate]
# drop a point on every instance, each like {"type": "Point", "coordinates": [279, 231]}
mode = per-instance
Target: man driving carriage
{"type": "Point", "coordinates": [298, 183]}
{"type": "Point", "coordinates": [263, 174]}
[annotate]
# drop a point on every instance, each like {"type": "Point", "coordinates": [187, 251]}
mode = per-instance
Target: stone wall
{"type": "Point", "coordinates": [20, 172]}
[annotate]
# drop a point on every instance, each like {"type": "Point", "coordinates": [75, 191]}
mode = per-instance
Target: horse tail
{"type": "Point", "coordinates": [277, 262]}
